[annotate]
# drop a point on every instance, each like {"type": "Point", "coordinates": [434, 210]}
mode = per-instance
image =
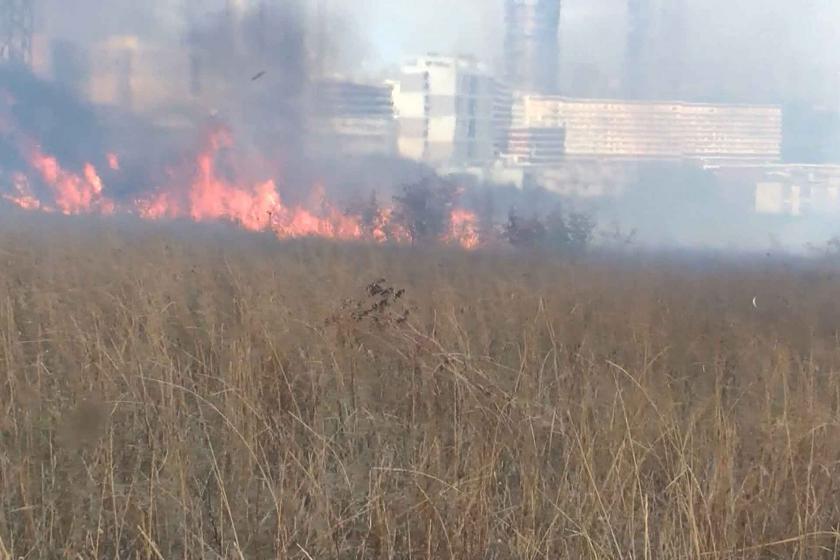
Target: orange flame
{"type": "Point", "coordinates": [208, 196]}
{"type": "Point", "coordinates": [74, 194]}
{"type": "Point", "coordinates": [385, 228]}
{"type": "Point", "coordinates": [464, 229]}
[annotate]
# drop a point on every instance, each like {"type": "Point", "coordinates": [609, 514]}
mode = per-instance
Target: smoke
{"type": "Point", "coordinates": [401, 29]}
{"type": "Point", "coordinates": [195, 58]}
{"type": "Point", "coordinates": [226, 141]}
{"type": "Point", "coordinates": [252, 72]}
{"type": "Point", "coordinates": [90, 21]}
{"type": "Point", "coordinates": [254, 69]}
{"type": "Point", "coordinates": [755, 51]}
{"type": "Point", "coordinates": [723, 50]}
{"type": "Point", "coordinates": [35, 111]}
{"type": "Point", "coordinates": [673, 205]}
{"type": "Point", "coordinates": [196, 65]}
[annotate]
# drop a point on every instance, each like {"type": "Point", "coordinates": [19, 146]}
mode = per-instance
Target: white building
{"type": "Point", "coordinates": [788, 189]}
{"type": "Point", "coordinates": [654, 130]}
{"type": "Point", "coordinates": [447, 108]}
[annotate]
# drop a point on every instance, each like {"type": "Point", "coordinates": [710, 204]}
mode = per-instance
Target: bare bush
{"type": "Point", "coordinates": [425, 207]}
{"type": "Point", "coordinates": [524, 233]}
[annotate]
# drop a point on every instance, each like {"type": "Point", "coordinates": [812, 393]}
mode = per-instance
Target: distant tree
{"type": "Point", "coordinates": [524, 233]}
{"type": "Point", "coordinates": [572, 233]}
{"type": "Point", "coordinates": [370, 213]}
{"type": "Point", "coordinates": [487, 217]}
{"type": "Point", "coordinates": [616, 237]}
{"type": "Point", "coordinates": [581, 231]}
{"type": "Point", "coordinates": [558, 235]}
{"type": "Point", "coordinates": [425, 209]}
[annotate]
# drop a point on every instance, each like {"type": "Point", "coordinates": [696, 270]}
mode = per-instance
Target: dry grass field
{"type": "Point", "coordinates": [172, 394]}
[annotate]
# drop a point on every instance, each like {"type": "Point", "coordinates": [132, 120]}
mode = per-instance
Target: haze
{"type": "Point", "coordinates": [323, 92]}
{"type": "Point", "coordinates": [764, 50]}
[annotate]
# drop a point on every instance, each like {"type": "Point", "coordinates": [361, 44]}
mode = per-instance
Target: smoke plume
{"type": "Point", "coordinates": [254, 68]}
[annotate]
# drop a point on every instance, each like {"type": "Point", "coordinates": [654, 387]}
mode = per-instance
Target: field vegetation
{"type": "Point", "coordinates": [199, 393]}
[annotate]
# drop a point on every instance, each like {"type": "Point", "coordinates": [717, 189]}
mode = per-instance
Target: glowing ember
{"type": "Point", "coordinates": [113, 161]}
{"type": "Point", "coordinates": [22, 195]}
{"type": "Point", "coordinates": [385, 228]}
{"type": "Point", "coordinates": [299, 222]}
{"type": "Point", "coordinates": [464, 229]}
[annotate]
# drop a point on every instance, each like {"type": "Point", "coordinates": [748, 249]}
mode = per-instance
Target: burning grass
{"type": "Point", "coordinates": [198, 190]}
{"type": "Point", "coordinates": [204, 396]}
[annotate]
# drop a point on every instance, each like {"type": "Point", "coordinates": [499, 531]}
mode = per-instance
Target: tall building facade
{"type": "Point", "coordinates": [532, 44]}
{"type": "Point", "coordinates": [354, 118]}
{"type": "Point", "coordinates": [447, 111]}
{"type": "Point", "coordinates": [609, 128]}
{"type": "Point", "coordinates": [535, 146]}
{"type": "Point", "coordinates": [16, 31]}
{"type": "Point", "coordinates": [638, 35]}
{"type": "Point", "coordinates": [121, 71]}
{"type": "Point", "coordinates": [655, 49]}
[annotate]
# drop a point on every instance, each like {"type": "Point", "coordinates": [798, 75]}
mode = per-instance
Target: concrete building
{"type": "Point", "coordinates": [669, 130]}
{"type": "Point", "coordinates": [113, 73]}
{"type": "Point", "coordinates": [119, 71]}
{"type": "Point", "coordinates": [355, 118]}
{"type": "Point", "coordinates": [535, 146]}
{"type": "Point", "coordinates": [127, 72]}
{"type": "Point", "coordinates": [532, 44]}
{"type": "Point", "coordinates": [69, 66]}
{"type": "Point", "coordinates": [788, 189]}
{"type": "Point", "coordinates": [638, 35]}
{"type": "Point", "coordinates": [447, 109]}
{"type": "Point", "coordinates": [502, 117]}
{"type": "Point", "coordinates": [17, 23]}
{"type": "Point", "coordinates": [655, 49]}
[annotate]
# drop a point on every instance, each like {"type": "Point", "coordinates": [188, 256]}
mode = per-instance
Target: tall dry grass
{"type": "Point", "coordinates": [216, 396]}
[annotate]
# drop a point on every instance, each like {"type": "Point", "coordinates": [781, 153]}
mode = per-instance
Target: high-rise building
{"type": "Point", "coordinates": [16, 31]}
{"type": "Point", "coordinates": [127, 72]}
{"type": "Point", "coordinates": [671, 61]}
{"type": "Point", "coordinates": [638, 31]}
{"type": "Point", "coordinates": [71, 66]}
{"type": "Point", "coordinates": [532, 44]}
{"type": "Point", "coordinates": [112, 79]}
{"type": "Point", "coordinates": [447, 111]}
{"type": "Point", "coordinates": [655, 49]}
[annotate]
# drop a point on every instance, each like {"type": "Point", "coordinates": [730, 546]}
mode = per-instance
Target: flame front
{"type": "Point", "coordinates": [73, 193]}
{"type": "Point", "coordinates": [22, 195]}
{"type": "Point", "coordinates": [206, 196]}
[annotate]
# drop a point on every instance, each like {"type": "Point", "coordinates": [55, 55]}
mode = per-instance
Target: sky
{"type": "Point", "coordinates": [397, 29]}
{"type": "Point", "coordinates": [737, 50]}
